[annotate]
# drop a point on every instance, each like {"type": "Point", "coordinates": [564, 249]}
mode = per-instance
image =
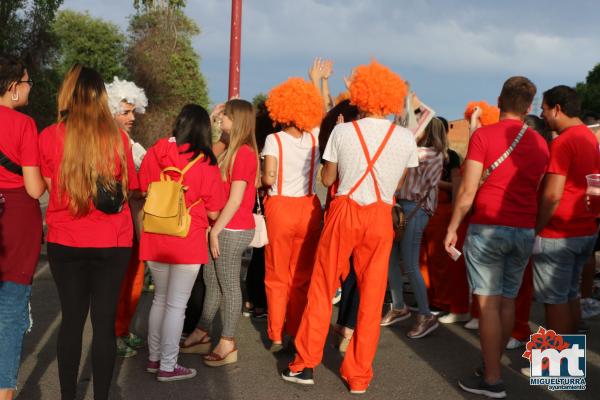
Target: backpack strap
{"type": "Point", "coordinates": [181, 172]}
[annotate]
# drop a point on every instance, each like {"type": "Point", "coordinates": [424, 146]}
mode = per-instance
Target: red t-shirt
{"type": "Point", "coordinates": [96, 229]}
{"type": "Point", "coordinates": [244, 168]}
{"type": "Point", "coordinates": [509, 195]}
{"type": "Point", "coordinates": [573, 154]}
{"type": "Point", "coordinates": [18, 142]}
{"type": "Point", "coordinates": [204, 183]}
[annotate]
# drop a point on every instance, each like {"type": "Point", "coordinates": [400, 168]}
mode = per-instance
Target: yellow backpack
{"type": "Point", "coordinates": [165, 211]}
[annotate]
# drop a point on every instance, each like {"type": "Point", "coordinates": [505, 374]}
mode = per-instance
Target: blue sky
{"type": "Point", "coordinates": [451, 51]}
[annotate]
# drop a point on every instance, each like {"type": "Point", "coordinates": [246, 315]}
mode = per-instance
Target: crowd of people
{"type": "Point", "coordinates": [399, 202]}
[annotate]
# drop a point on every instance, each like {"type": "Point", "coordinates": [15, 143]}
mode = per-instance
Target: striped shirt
{"type": "Point", "coordinates": [419, 180]}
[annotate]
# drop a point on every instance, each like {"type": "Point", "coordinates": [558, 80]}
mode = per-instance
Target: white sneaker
{"type": "Point", "coordinates": [514, 344]}
{"type": "Point", "coordinates": [473, 324]}
{"type": "Point", "coordinates": [452, 318]}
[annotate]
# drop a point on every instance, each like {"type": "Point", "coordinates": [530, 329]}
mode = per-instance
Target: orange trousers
{"type": "Point", "coordinates": [293, 226]}
{"type": "Point", "coordinates": [364, 232]}
{"type": "Point", "coordinates": [131, 290]}
{"type": "Point", "coordinates": [446, 280]}
{"type": "Point", "coordinates": [521, 330]}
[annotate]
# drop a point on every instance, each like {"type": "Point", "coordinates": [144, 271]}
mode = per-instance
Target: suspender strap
{"type": "Point", "coordinates": [279, 166]}
{"type": "Point", "coordinates": [371, 162]}
{"type": "Point", "coordinates": [312, 164]}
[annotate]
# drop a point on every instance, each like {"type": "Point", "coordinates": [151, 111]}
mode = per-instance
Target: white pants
{"type": "Point", "coordinates": [172, 288]}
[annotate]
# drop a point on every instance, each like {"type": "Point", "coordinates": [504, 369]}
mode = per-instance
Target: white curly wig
{"type": "Point", "coordinates": [121, 90]}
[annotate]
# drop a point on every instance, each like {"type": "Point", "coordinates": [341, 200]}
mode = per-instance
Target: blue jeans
{"type": "Point", "coordinates": [557, 269]}
{"type": "Point", "coordinates": [496, 257]}
{"type": "Point", "coordinates": [14, 322]}
{"type": "Point", "coordinates": [410, 248]}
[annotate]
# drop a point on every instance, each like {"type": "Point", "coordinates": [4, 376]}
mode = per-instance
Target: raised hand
{"type": "Point", "coordinates": [326, 68]}
{"type": "Point", "coordinates": [315, 72]}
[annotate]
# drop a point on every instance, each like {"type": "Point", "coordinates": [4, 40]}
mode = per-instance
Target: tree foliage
{"type": "Point", "coordinates": [25, 31]}
{"type": "Point", "coordinates": [90, 41]}
{"type": "Point", "coordinates": [590, 90]}
{"type": "Point", "coordinates": [161, 60]}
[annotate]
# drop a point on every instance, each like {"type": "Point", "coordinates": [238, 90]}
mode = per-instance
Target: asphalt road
{"type": "Point", "coordinates": [426, 368]}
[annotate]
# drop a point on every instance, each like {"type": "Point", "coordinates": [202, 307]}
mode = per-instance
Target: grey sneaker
{"type": "Point", "coordinates": [477, 385]}
{"type": "Point", "coordinates": [425, 325]}
{"type": "Point", "coordinates": [394, 315]}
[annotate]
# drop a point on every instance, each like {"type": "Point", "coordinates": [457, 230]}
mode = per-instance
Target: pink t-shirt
{"type": "Point", "coordinates": [573, 154]}
{"type": "Point", "coordinates": [509, 195]}
{"type": "Point", "coordinates": [245, 168]}
{"type": "Point", "coordinates": [18, 142]}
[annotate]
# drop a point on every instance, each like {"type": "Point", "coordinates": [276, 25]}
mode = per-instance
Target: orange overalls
{"type": "Point", "coordinates": [446, 280]}
{"type": "Point", "coordinates": [364, 232]}
{"type": "Point", "coordinates": [293, 226]}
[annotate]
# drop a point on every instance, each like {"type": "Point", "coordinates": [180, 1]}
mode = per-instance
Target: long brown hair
{"type": "Point", "coordinates": [435, 136]}
{"type": "Point", "coordinates": [243, 118]}
{"type": "Point", "coordinates": [93, 147]}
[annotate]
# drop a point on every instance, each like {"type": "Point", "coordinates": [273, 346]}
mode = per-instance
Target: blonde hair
{"type": "Point", "coordinates": [93, 147]}
{"type": "Point", "coordinates": [243, 119]}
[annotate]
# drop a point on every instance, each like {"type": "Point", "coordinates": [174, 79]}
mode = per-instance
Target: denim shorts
{"type": "Point", "coordinates": [14, 322]}
{"type": "Point", "coordinates": [496, 257]}
{"type": "Point", "coordinates": [557, 269]}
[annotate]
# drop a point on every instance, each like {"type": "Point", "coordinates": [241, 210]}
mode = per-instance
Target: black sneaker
{"type": "Point", "coordinates": [478, 386]}
{"type": "Point", "coordinates": [304, 377]}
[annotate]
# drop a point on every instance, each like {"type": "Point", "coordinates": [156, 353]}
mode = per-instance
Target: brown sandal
{"type": "Point", "coordinates": [200, 347]}
{"type": "Point", "coordinates": [215, 360]}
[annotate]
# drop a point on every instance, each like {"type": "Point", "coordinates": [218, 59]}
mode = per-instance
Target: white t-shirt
{"type": "Point", "coordinates": [297, 153]}
{"type": "Point", "coordinates": [344, 148]}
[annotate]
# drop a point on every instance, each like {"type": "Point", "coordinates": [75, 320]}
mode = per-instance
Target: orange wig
{"type": "Point", "coordinates": [377, 90]}
{"type": "Point", "coordinates": [296, 102]}
{"type": "Point", "coordinates": [342, 96]}
{"type": "Point", "coordinates": [489, 114]}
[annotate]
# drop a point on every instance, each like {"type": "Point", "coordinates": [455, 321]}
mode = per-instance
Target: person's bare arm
{"type": "Point", "coordinates": [464, 201]}
{"type": "Point", "coordinates": [456, 179]}
{"type": "Point", "coordinates": [327, 70]}
{"type": "Point", "coordinates": [553, 187]}
{"type": "Point", "coordinates": [35, 185]}
{"type": "Point", "coordinates": [475, 123]}
{"type": "Point", "coordinates": [270, 171]}
{"type": "Point", "coordinates": [328, 173]}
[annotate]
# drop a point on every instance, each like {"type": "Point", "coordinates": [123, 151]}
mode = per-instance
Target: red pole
{"type": "Point", "coordinates": [235, 47]}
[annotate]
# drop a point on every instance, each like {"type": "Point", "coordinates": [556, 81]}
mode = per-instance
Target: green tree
{"type": "Point", "coordinates": [259, 99]}
{"type": "Point", "coordinates": [590, 90]}
{"type": "Point", "coordinates": [90, 41]}
{"type": "Point", "coordinates": [25, 31]}
{"type": "Point", "coordinates": [161, 60]}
